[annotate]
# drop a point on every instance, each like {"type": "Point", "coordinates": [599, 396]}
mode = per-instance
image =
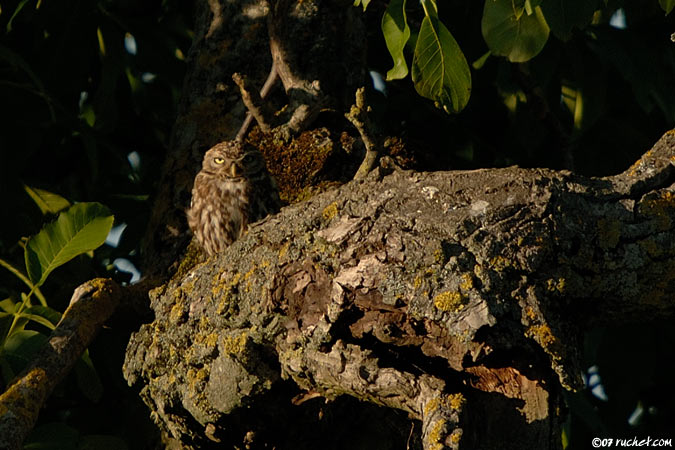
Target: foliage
{"type": "Point", "coordinates": [89, 92]}
{"type": "Point", "coordinates": [517, 30]}
{"type": "Point", "coordinates": [79, 229]}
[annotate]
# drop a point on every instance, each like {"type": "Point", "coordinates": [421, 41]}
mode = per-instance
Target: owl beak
{"type": "Point", "coordinates": [235, 170]}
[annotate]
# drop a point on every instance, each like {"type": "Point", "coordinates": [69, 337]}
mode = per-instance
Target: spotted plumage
{"type": "Point", "coordinates": [232, 190]}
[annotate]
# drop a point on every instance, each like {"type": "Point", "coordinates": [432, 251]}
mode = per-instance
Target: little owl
{"type": "Point", "coordinates": [232, 190]}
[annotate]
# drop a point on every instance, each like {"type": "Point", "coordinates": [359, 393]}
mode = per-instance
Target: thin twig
{"type": "Point", "coordinates": [254, 101]}
{"type": "Point", "coordinates": [358, 116]}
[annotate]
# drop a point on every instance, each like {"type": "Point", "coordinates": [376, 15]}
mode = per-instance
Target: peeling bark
{"type": "Point", "coordinates": [459, 298]}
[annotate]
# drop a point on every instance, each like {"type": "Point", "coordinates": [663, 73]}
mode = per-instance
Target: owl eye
{"type": "Point", "coordinates": [248, 158]}
{"type": "Point", "coordinates": [218, 160]}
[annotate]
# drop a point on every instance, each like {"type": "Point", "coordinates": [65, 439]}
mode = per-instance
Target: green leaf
{"type": "Point", "coordinates": [43, 315]}
{"type": "Point", "coordinates": [363, 3]}
{"type": "Point", "coordinates": [18, 9]}
{"type": "Point", "coordinates": [20, 347]}
{"type": "Point", "coordinates": [440, 71]}
{"type": "Point", "coordinates": [80, 229]}
{"type": "Point", "coordinates": [396, 34]}
{"type": "Point", "coordinates": [667, 5]}
{"type": "Point", "coordinates": [430, 8]}
{"type": "Point", "coordinates": [480, 62]}
{"type": "Point", "coordinates": [8, 305]}
{"type": "Point", "coordinates": [46, 313]}
{"type": "Point", "coordinates": [48, 202]}
{"type": "Point", "coordinates": [519, 37]}
{"type": "Point", "coordinates": [564, 15]}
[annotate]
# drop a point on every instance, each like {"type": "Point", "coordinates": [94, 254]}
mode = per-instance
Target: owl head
{"type": "Point", "coordinates": [233, 160]}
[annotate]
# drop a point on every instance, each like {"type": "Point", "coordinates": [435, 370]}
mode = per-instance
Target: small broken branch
{"type": "Point", "coordinates": [255, 102]}
{"type": "Point", "coordinates": [358, 116]}
{"type": "Point", "coordinates": [91, 305]}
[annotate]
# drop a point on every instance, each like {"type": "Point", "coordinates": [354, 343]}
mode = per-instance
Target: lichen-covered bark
{"type": "Point", "coordinates": [457, 297]}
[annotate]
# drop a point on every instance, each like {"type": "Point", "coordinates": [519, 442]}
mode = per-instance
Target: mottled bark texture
{"type": "Point", "coordinates": [459, 298]}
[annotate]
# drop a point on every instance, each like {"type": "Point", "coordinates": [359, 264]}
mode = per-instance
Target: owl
{"type": "Point", "coordinates": [232, 190]}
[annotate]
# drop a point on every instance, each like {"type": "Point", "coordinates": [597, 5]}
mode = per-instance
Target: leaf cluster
{"type": "Point", "coordinates": [515, 29]}
{"type": "Point", "coordinates": [89, 93]}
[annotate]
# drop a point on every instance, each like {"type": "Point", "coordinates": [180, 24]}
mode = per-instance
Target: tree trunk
{"type": "Point", "coordinates": [403, 310]}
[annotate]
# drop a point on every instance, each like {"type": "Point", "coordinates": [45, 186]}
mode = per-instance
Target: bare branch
{"type": "Point", "coordinates": [358, 116]}
{"type": "Point", "coordinates": [254, 102]}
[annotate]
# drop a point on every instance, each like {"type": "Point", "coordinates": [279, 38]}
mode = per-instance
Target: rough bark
{"type": "Point", "coordinates": [459, 298]}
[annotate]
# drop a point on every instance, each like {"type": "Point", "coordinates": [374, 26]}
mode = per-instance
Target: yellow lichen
{"type": "Point", "coordinates": [467, 282]}
{"type": "Point", "coordinates": [435, 435]}
{"type": "Point", "coordinates": [431, 406]}
{"type": "Point", "coordinates": [224, 290]}
{"type": "Point", "coordinates": [284, 249]}
{"type": "Point", "coordinates": [542, 334]}
{"type": "Point", "coordinates": [211, 340]}
{"type": "Point", "coordinates": [556, 286]}
{"type": "Point", "coordinates": [499, 263]}
{"type": "Point", "coordinates": [329, 212]}
{"type": "Point", "coordinates": [529, 312]}
{"type": "Point", "coordinates": [456, 401]}
{"type": "Point", "coordinates": [449, 301]}
{"type": "Point", "coordinates": [176, 313]}
{"type": "Point", "coordinates": [439, 256]}
{"type": "Point", "coordinates": [234, 344]}
{"type": "Point", "coordinates": [661, 207]}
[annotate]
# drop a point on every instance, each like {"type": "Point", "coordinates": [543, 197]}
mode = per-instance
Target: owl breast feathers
{"type": "Point", "coordinates": [232, 190]}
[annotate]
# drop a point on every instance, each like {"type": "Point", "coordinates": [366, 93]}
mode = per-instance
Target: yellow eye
{"type": "Point", "coordinates": [218, 160]}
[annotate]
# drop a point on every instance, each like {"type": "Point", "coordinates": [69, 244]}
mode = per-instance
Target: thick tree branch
{"type": "Point", "coordinates": [91, 305]}
{"type": "Point", "coordinates": [484, 279]}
